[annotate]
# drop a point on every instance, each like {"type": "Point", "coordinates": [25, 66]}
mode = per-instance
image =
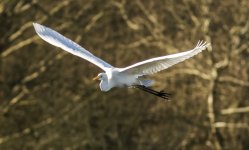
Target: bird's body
{"type": "Point", "coordinates": [114, 77]}
{"type": "Point", "coordinates": [119, 77]}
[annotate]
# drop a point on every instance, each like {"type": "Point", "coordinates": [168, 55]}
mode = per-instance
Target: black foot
{"type": "Point", "coordinates": [161, 94]}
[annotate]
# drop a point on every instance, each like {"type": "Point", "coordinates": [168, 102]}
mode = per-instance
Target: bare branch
{"type": "Point", "coordinates": [19, 46]}
{"type": "Point", "coordinates": [124, 15]}
{"type": "Point", "coordinates": [189, 71]}
{"type": "Point", "coordinates": [149, 16]}
{"type": "Point", "coordinates": [214, 76]}
{"type": "Point", "coordinates": [235, 110]}
{"type": "Point", "coordinates": [28, 41]}
{"type": "Point", "coordinates": [233, 80]}
{"type": "Point", "coordinates": [142, 41]}
{"type": "Point", "coordinates": [231, 125]}
{"type": "Point", "coordinates": [26, 130]}
{"type": "Point", "coordinates": [94, 20]}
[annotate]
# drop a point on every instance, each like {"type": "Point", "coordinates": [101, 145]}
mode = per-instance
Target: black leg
{"type": "Point", "coordinates": [161, 94]}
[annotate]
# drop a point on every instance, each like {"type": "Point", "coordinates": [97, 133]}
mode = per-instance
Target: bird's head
{"type": "Point", "coordinates": [100, 76]}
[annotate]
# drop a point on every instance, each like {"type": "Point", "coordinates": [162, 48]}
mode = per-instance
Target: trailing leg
{"type": "Point", "coordinates": [161, 94]}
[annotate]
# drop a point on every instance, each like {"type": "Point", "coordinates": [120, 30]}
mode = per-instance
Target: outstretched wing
{"type": "Point", "coordinates": [68, 45]}
{"type": "Point", "coordinates": [157, 64]}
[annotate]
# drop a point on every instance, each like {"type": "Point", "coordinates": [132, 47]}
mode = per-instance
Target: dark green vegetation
{"type": "Point", "coordinates": [48, 100]}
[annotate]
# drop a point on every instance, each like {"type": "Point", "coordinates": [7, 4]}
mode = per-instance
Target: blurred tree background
{"type": "Point", "coordinates": [48, 100]}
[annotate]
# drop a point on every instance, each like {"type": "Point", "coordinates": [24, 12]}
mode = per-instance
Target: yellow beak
{"type": "Point", "coordinates": [96, 78]}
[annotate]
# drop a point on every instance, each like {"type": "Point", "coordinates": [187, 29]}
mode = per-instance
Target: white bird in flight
{"type": "Point", "coordinates": [130, 76]}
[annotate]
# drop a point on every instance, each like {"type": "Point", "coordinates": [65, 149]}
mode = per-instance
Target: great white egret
{"type": "Point", "coordinates": [130, 76]}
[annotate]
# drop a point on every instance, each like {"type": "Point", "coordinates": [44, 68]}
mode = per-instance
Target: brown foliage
{"type": "Point", "coordinates": [48, 101]}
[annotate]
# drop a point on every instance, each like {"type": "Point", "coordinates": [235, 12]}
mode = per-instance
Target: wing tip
{"type": "Point", "coordinates": [35, 24]}
{"type": "Point", "coordinates": [38, 27]}
{"type": "Point", "coordinates": [202, 44]}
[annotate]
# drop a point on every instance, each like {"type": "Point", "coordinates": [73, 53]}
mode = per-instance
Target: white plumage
{"type": "Point", "coordinates": [117, 77]}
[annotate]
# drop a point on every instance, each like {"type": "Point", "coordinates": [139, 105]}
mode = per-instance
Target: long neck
{"type": "Point", "coordinates": [104, 85]}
